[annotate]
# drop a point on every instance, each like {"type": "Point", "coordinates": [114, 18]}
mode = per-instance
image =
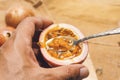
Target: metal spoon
{"type": "Point", "coordinates": [75, 42]}
{"type": "Point", "coordinates": [106, 33]}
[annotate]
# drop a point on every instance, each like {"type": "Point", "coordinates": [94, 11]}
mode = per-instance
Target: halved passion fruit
{"type": "Point", "coordinates": [58, 51]}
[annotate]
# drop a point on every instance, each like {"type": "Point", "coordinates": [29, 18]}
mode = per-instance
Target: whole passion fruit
{"type": "Point", "coordinates": [59, 52]}
{"type": "Point", "coordinates": [15, 14]}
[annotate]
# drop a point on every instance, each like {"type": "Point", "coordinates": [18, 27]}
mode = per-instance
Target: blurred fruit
{"type": "Point", "coordinates": [5, 34]}
{"type": "Point", "coordinates": [16, 14]}
{"type": "Point", "coordinates": [2, 39]}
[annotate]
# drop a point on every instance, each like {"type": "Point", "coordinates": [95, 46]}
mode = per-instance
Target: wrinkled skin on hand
{"type": "Point", "coordinates": [19, 58]}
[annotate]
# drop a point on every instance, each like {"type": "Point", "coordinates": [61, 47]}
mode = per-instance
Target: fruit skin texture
{"type": "Point", "coordinates": [5, 34]}
{"type": "Point", "coordinates": [2, 39]}
{"type": "Point", "coordinates": [56, 62]}
{"type": "Point", "coordinates": [16, 14]}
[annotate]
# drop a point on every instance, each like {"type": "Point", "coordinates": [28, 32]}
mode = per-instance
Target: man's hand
{"type": "Point", "coordinates": [18, 60]}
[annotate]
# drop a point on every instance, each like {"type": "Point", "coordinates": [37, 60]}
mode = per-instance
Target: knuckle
{"type": "Point", "coordinates": [72, 73]}
{"type": "Point", "coordinates": [69, 70]}
{"type": "Point", "coordinates": [28, 18]}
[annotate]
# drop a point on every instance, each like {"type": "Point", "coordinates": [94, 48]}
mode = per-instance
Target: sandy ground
{"type": "Point", "coordinates": [90, 16]}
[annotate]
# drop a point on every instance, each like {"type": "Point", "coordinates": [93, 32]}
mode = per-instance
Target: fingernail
{"type": "Point", "coordinates": [84, 72]}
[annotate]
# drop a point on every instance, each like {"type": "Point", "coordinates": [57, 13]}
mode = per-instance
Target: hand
{"type": "Point", "coordinates": [18, 60]}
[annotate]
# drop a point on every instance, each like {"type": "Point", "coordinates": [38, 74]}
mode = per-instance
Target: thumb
{"type": "Point", "coordinates": [71, 72]}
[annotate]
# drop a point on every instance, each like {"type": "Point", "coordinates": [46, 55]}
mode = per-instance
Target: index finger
{"type": "Point", "coordinates": [27, 27]}
{"type": "Point", "coordinates": [30, 24]}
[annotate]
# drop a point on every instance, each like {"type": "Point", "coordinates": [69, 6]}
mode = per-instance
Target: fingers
{"type": "Point", "coordinates": [21, 40]}
{"type": "Point", "coordinates": [27, 27]}
{"type": "Point", "coordinates": [24, 34]}
{"type": "Point", "coordinates": [39, 29]}
{"type": "Point", "coordinates": [71, 72]}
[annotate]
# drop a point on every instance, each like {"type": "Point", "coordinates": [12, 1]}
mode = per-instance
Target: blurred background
{"type": "Point", "coordinates": [90, 16]}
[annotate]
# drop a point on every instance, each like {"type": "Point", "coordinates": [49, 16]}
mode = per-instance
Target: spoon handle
{"type": "Point", "coordinates": [106, 33]}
